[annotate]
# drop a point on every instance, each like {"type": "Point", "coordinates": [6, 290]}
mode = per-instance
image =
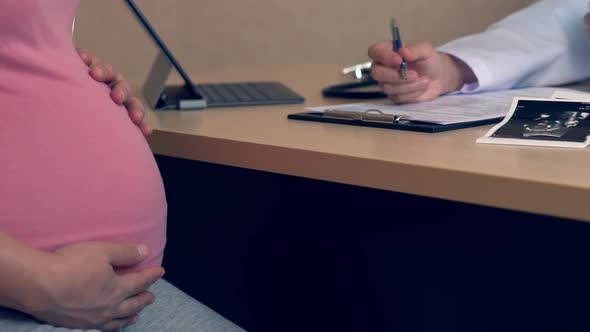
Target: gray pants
{"type": "Point", "coordinates": [172, 311]}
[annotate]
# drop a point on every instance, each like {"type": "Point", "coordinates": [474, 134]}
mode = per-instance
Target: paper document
{"type": "Point", "coordinates": [450, 109]}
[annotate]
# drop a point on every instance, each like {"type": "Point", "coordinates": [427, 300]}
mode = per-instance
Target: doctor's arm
{"type": "Point", "coordinates": [543, 44]}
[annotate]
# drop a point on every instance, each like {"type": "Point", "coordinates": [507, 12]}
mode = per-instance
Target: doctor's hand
{"type": "Point", "coordinates": [120, 88]}
{"type": "Point", "coordinates": [430, 73]}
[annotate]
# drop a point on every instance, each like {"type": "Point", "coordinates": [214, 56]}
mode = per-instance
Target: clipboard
{"type": "Point", "coordinates": [377, 119]}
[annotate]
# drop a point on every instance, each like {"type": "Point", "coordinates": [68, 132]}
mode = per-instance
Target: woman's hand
{"type": "Point", "coordinates": [120, 88]}
{"type": "Point", "coordinates": [81, 290]}
{"type": "Point", "coordinates": [431, 73]}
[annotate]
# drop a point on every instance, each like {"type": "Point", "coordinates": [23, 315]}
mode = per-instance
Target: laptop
{"type": "Point", "coordinates": [198, 96]}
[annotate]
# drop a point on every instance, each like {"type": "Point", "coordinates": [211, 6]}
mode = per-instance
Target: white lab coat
{"type": "Point", "coordinates": [544, 44]}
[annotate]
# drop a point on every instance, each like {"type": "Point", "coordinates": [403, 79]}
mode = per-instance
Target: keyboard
{"type": "Point", "coordinates": [247, 93]}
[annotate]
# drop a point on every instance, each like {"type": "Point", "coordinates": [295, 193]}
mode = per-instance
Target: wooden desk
{"type": "Point", "coordinates": [448, 165]}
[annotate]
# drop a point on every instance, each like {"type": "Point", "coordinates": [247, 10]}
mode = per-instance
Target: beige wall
{"type": "Point", "coordinates": [209, 34]}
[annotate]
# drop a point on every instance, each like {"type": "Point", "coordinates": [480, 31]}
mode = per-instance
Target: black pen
{"type": "Point", "coordinates": [397, 45]}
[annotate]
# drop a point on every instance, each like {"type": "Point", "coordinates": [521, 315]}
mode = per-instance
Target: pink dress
{"type": "Point", "coordinates": [73, 167]}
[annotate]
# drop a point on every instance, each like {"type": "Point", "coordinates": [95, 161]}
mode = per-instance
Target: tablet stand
{"type": "Point", "coordinates": [161, 97]}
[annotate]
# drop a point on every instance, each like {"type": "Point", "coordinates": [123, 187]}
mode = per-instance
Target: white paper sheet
{"type": "Point", "coordinates": [452, 108]}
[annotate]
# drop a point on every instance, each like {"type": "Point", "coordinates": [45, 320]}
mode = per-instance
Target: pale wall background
{"type": "Point", "coordinates": [212, 34]}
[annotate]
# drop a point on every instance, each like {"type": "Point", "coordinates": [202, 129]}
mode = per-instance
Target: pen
{"type": "Point", "coordinates": [397, 45]}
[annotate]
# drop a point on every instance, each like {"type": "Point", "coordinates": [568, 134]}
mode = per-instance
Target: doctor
{"type": "Point", "coordinates": [544, 44]}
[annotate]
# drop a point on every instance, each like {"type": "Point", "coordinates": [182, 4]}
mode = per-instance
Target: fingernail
{"type": "Point", "coordinates": [143, 250]}
{"type": "Point", "coordinates": [98, 72]}
{"type": "Point", "coordinates": [121, 95]}
{"type": "Point", "coordinates": [139, 115]}
{"type": "Point", "coordinates": [423, 84]}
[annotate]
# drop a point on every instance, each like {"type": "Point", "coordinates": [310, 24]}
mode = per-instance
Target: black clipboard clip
{"type": "Point", "coordinates": [370, 115]}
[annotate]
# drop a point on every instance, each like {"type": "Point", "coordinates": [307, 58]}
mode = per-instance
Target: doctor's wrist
{"type": "Point", "coordinates": [458, 75]}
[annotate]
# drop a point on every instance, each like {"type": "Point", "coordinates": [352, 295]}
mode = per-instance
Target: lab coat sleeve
{"type": "Point", "coordinates": [541, 45]}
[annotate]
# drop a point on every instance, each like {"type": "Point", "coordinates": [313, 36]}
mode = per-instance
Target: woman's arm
{"type": "Point", "coordinates": [21, 275]}
{"type": "Point", "coordinates": [75, 286]}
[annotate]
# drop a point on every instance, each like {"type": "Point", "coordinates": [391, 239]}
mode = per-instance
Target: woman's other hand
{"type": "Point", "coordinates": [120, 88]}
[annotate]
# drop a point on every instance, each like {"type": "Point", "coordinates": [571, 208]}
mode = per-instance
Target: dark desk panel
{"type": "Point", "coordinates": [279, 253]}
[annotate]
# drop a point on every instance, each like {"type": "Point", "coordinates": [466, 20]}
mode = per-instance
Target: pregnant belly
{"type": "Point", "coordinates": [77, 169]}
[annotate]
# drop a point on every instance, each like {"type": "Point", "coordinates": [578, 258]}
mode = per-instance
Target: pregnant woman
{"type": "Point", "coordinates": [82, 205]}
